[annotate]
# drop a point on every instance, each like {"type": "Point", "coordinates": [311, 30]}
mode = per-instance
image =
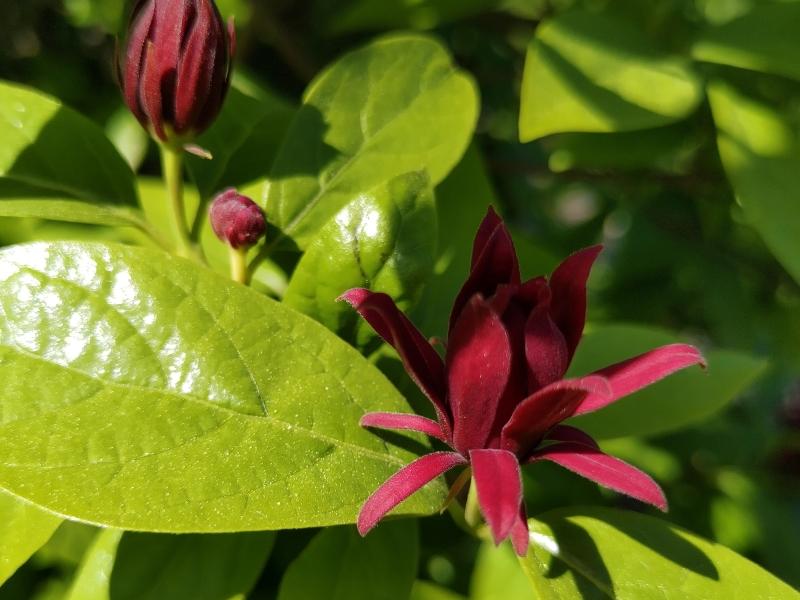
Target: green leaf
{"type": "Point", "coordinates": [764, 39]}
{"type": "Point", "coordinates": [395, 106]}
{"type": "Point", "coordinates": [498, 576]}
{"type": "Point", "coordinates": [425, 590]}
{"type": "Point", "coordinates": [760, 150]}
{"type": "Point", "coordinates": [24, 529]}
{"type": "Point", "coordinates": [603, 552]}
{"type": "Point", "coordinates": [201, 567]}
{"type": "Point", "coordinates": [48, 145]}
{"type": "Point", "coordinates": [679, 400]}
{"type": "Point", "coordinates": [587, 72]}
{"type": "Point", "coordinates": [243, 140]}
{"type": "Point", "coordinates": [68, 545]}
{"type": "Point", "coordinates": [339, 564]}
{"type": "Point", "coordinates": [385, 240]}
{"type": "Point", "coordinates": [144, 392]}
{"type": "Point", "coordinates": [23, 200]}
{"type": "Point", "coordinates": [92, 578]}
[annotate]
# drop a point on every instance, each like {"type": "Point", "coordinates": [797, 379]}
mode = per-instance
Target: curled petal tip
{"type": "Point", "coordinates": [354, 297]}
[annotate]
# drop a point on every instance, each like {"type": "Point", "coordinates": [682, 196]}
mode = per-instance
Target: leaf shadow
{"type": "Point", "coordinates": [402, 441]}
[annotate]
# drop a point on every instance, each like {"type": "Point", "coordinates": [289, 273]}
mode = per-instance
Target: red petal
{"type": "Point", "coordinates": [196, 70]}
{"type": "Point", "coordinates": [546, 408]}
{"type": "Point", "coordinates": [499, 486]}
{"type": "Point", "coordinates": [384, 420]}
{"type": "Point", "coordinates": [606, 470]}
{"type": "Point", "coordinates": [478, 368]}
{"type": "Point", "coordinates": [568, 284]}
{"type": "Point", "coordinates": [565, 433]}
{"type": "Point", "coordinates": [134, 57]}
{"type": "Point", "coordinates": [150, 92]}
{"type": "Point", "coordinates": [636, 373]}
{"type": "Point", "coordinates": [519, 533]}
{"type": "Point", "coordinates": [421, 361]}
{"type": "Point", "coordinates": [494, 263]}
{"type": "Point", "coordinates": [545, 348]}
{"type": "Point", "coordinates": [404, 483]}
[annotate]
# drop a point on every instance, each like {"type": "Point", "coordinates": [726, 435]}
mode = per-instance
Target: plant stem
{"type": "Point", "coordinates": [172, 168]}
{"type": "Point", "coordinates": [472, 511]}
{"type": "Point", "coordinates": [238, 258]}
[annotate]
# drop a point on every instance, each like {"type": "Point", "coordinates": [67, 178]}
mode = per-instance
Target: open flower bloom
{"type": "Point", "coordinates": [500, 394]}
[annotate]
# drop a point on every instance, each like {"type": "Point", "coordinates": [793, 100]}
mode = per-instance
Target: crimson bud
{"type": "Point", "coordinates": [236, 219]}
{"type": "Point", "coordinates": [175, 67]}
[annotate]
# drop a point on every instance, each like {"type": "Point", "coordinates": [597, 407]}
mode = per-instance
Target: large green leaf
{"type": "Point", "coordinates": [49, 145]}
{"type": "Point", "coordinates": [760, 150]}
{"type": "Point", "coordinates": [92, 578]}
{"type": "Point", "coordinates": [395, 106]}
{"type": "Point", "coordinates": [385, 241]}
{"type": "Point", "coordinates": [143, 392]}
{"type": "Point", "coordinates": [678, 401]}
{"type": "Point", "coordinates": [24, 529]}
{"type": "Point", "coordinates": [152, 566]}
{"type": "Point", "coordinates": [425, 590]}
{"type": "Point", "coordinates": [243, 140]}
{"type": "Point", "coordinates": [587, 72]}
{"type": "Point", "coordinates": [340, 565]}
{"type": "Point", "coordinates": [602, 552]}
{"type": "Point", "coordinates": [764, 39]}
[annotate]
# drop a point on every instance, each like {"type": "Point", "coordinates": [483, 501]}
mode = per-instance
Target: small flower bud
{"type": "Point", "coordinates": [236, 219]}
{"type": "Point", "coordinates": [175, 67]}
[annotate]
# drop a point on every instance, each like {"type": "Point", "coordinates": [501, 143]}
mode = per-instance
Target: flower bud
{"type": "Point", "coordinates": [175, 67]}
{"type": "Point", "coordinates": [236, 219]}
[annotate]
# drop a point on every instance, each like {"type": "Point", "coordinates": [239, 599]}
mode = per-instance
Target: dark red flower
{"type": "Point", "coordinates": [499, 394]}
{"type": "Point", "coordinates": [176, 66]}
{"type": "Point", "coordinates": [236, 219]}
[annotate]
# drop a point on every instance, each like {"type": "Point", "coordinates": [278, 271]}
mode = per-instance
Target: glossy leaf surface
{"type": "Point", "coordinates": [146, 393]}
{"type": "Point", "coordinates": [384, 241]}
{"type": "Point", "coordinates": [395, 106]}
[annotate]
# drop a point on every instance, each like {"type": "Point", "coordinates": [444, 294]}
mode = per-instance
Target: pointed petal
{"type": "Point", "coordinates": [545, 348]}
{"type": "Point", "coordinates": [195, 72]}
{"type": "Point", "coordinates": [546, 408]}
{"type": "Point", "coordinates": [490, 222]}
{"type": "Point", "coordinates": [519, 533]}
{"type": "Point", "coordinates": [385, 420]}
{"type": "Point", "coordinates": [499, 485]}
{"type": "Point", "coordinates": [404, 483]}
{"type": "Point", "coordinates": [421, 361]}
{"type": "Point", "coordinates": [565, 433]}
{"type": "Point", "coordinates": [568, 284]}
{"type": "Point", "coordinates": [150, 92]}
{"type": "Point", "coordinates": [494, 264]}
{"type": "Point", "coordinates": [636, 373]}
{"type": "Point", "coordinates": [131, 72]}
{"type": "Point", "coordinates": [605, 470]}
{"type": "Point", "coordinates": [478, 367]}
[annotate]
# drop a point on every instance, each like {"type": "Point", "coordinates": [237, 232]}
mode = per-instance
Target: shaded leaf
{"type": "Point", "coordinates": [425, 590]}
{"type": "Point", "coordinates": [763, 39]}
{"type": "Point", "coordinates": [392, 14]}
{"type": "Point", "coordinates": [395, 106]}
{"type": "Point", "coordinates": [760, 150]}
{"type": "Point", "coordinates": [339, 564]}
{"type": "Point", "coordinates": [24, 528]}
{"type": "Point", "coordinates": [177, 401]}
{"type": "Point", "coordinates": [594, 549]}
{"type": "Point", "coordinates": [384, 241]}
{"type": "Point", "coordinates": [92, 578]}
{"type": "Point", "coordinates": [498, 576]}
{"type": "Point", "coordinates": [201, 567]}
{"type": "Point", "coordinates": [49, 145]}
{"type": "Point", "coordinates": [587, 72]}
{"type": "Point", "coordinates": [680, 400]}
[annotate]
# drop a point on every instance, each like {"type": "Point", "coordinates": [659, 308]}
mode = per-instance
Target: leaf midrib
{"type": "Point", "coordinates": [210, 406]}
